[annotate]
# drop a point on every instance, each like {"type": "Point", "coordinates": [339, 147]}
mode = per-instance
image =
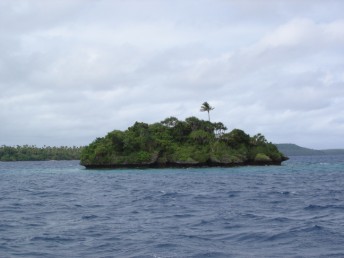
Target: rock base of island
{"type": "Point", "coordinates": [183, 165]}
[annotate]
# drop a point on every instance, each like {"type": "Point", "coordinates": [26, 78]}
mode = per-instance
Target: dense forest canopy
{"type": "Point", "coordinates": [31, 152]}
{"type": "Point", "coordinates": [174, 142]}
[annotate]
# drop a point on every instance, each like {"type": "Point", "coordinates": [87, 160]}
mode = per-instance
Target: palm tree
{"type": "Point", "coordinates": [206, 108]}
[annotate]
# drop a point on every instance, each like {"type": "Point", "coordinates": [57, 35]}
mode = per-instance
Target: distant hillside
{"type": "Point", "coordinates": [334, 151]}
{"type": "Point", "coordinates": [290, 149]}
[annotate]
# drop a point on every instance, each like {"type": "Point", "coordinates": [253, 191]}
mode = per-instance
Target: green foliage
{"type": "Point", "coordinates": [172, 141]}
{"type": "Point", "coordinates": [31, 152]}
{"type": "Point", "coordinates": [117, 140]}
{"type": "Point", "coordinates": [223, 153]}
{"type": "Point", "coordinates": [143, 156]}
{"type": "Point", "coordinates": [258, 139]}
{"type": "Point", "coordinates": [219, 129]}
{"type": "Point", "coordinates": [170, 122]}
{"type": "Point", "coordinates": [262, 157]}
{"type": "Point", "coordinates": [201, 137]}
{"type": "Point", "coordinates": [183, 153]}
{"type": "Point", "coordinates": [235, 138]}
{"type": "Point", "coordinates": [269, 149]}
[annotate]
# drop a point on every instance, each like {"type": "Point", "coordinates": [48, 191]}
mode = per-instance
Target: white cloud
{"type": "Point", "coordinates": [70, 71]}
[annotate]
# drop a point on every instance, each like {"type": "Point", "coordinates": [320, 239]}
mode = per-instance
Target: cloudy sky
{"type": "Point", "coordinates": [73, 70]}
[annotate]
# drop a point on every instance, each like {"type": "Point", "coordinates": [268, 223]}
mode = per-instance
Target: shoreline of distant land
{"type": "Point", "coordinates": [34, 153]}
{"type": "Point", "coordinates": [291, 149]}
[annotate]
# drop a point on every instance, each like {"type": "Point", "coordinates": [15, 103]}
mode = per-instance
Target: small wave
{"type": "Point", "coordinates": [252, 216]}
{"type": "Point", "coordinates": [278, 236]}
{"type": "Point", "coordinates": [183, 215]}
{"type": "Point", "coordinates": [280, 219]}
{"type": "Point", "coordinates": [202, 223]}
{"type": "Point", "coordinates": [291, 234]}
{"type": "Point", "coordinates": [314, 228]}
{"type": "Point", "coordinates": [285, 192]}
{"type": "Point", "coordinates": [87, 217]}
{"type": "Point", "coordinates": [211, 254]}
{"type": "Point", "coordinates": [4, 227]}
{"type": "Point", "coordinates": [165, 245]}
{"type": "Point", "coordinates": [170, 195]}
{"type": "Point", "coordinates": [251, 237]}
{"type": "Point", "coordinates": [232, 194]}
{"type": "Point", "coordinates": [51, 239]}
{"type": "Point", "coordinates": [314, 207]}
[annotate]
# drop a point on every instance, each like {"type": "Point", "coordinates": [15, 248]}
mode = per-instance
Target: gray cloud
{"type": "Point", "coordinates": [70, 71]}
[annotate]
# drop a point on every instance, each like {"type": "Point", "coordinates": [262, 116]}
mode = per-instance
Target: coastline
{"type": "Point", "coordinates": [184, 165]}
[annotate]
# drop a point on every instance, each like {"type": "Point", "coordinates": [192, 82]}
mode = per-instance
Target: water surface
{"type": "Point", "coordinates": [57, 208]}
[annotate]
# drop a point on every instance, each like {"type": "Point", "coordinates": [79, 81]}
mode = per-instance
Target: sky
{"type": "Point", "coordinates": [73, 70]}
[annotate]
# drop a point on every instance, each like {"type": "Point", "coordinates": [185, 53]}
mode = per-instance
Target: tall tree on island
{"type": "Point", "coordinates": [206, 108]}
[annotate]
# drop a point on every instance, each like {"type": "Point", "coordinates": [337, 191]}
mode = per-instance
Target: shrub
{"type": "Point", "coordinates": [261, 157]}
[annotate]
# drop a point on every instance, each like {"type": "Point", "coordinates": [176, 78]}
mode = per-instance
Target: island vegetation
{"type": "Point", "coordinates": [33, 153]}
{"type": "Point", "coordinates": [175, 143]}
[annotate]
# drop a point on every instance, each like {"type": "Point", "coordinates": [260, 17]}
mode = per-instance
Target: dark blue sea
{"type": "Point", "coordinates": [59, 209]}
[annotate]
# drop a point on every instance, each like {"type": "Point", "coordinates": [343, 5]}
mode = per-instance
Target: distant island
{"type": "Point", "coordinates": [34, 153]}
{"type": "Point", "coordinates": [290, 149]}
{"type": "Point", "coordinates": [175, 143]}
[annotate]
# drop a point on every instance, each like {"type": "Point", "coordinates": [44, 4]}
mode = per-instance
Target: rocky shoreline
{"type": "Point", "coordinates": [184, 165]}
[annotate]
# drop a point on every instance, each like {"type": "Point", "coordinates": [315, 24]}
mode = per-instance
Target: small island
{"type": "Point", "coordinates": [181, 144]}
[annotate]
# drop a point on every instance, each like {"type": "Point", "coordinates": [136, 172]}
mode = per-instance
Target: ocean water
{"type": "Point", "coordinates": [59, 209]}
